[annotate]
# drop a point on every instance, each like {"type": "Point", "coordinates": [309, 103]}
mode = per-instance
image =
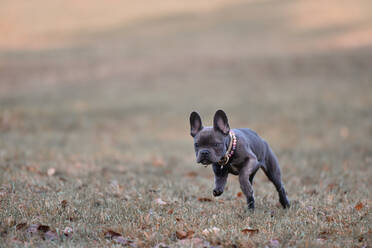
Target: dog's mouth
{"type": "Point", "coordinates": [205, 161]}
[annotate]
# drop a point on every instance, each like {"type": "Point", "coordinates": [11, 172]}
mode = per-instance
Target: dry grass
{"type": "Point", "coordinates": [111, 117]}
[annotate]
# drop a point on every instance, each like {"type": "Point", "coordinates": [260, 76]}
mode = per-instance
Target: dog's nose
{"type": "Point", "coordinates": [204, 153]}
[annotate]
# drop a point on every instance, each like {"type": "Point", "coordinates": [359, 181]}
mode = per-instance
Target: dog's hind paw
{"type": "Point", "coordinates": [217, 192]}
{"type": "Point", "coordinates": [250, 203]}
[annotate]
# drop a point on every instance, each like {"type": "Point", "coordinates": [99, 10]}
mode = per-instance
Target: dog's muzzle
{"type": "Point", "coordinates": [204, 157]}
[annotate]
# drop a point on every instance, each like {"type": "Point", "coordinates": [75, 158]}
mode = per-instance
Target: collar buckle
{"type": "Point", "coordinates": [224, 160]}
{"type": "Point", "coordinates": [230, 151]}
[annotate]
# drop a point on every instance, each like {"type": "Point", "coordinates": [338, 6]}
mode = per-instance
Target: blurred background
{"type": "Point", "coordinates": [115, 81]}
{"type": "Point", "coordinates": [95, 98]}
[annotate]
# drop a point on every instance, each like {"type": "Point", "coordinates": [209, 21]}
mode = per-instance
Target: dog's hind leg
{"type": "Point", "coordinates": [272, 171]}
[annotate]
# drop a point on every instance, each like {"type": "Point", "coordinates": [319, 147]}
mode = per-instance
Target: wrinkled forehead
{"type": "Point", "coordinates": [208, 135]}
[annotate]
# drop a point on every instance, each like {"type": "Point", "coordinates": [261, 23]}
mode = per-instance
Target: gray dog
{"type": "Point", "coordinates": [238, 151]}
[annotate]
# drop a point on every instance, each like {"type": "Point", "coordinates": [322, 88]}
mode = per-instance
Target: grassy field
{"type": "Point", "coordinates": [94, 136]}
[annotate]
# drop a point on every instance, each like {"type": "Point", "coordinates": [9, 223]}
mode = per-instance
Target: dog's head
{"type": "Point", "coordinates": [210, 142]}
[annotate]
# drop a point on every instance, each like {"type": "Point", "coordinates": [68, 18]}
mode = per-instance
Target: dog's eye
{"type": "Point", "coordinates": [216, 144]}
{"type": "Point", "coordinates": [196, 145]}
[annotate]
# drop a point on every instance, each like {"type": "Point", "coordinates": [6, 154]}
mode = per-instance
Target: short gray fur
{"type": "Point", "coordinates": [251, 154]}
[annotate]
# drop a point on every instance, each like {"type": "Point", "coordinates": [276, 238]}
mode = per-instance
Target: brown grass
{"type": "Point", "coordinates": [94, 137]}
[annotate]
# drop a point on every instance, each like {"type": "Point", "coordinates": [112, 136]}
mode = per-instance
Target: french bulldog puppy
{"type": "Point", "coordinates": [237, 151]}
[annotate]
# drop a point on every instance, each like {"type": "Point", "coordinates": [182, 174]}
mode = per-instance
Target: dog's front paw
{"type": "Point", "coordinates": [217, 192]}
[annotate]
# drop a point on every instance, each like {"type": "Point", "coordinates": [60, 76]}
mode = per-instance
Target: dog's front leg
{"type": "Point", "coordinates": [245, 184]}
{"type": "Point", "coordinates": [220, 179]}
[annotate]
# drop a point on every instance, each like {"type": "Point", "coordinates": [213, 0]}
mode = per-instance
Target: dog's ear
{"type": "Point", "coordinates": [220, 122]}
{"type": "Point", "coordinates": [195, 123]}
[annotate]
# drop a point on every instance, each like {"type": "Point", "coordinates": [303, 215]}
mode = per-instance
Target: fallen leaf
{"type": "Point", "coordinates": [147, 218]}
{"type": "Point", "coordinates": [122, 240]}
{"type": "Point", "coordinates": [115, 188]}
{"type": "Point", "coordinates": [331, 186]}
{"type": "Point", "coordinates": [190, 233]}
{"type": "Point", "coordinates": [10, 221]}
{"type": "Point", "coordinates": [324, 234]}
{"type": "Point", "coordinates": [157, 162]}
{"type": "Point", "coordinates": [160, 201]}
{"type": "Point", "coordinates": [312, 192]}
{"type": "Point", "coordinates": [21, 226]}
{"type": "Point", "coordinates": [170, 211]}
{"type": "Point", "coordinates": [110, 234]}
{"type": "Point", "coordinates": [148, 236]}
{"type": "Point", "coordinates": [3, 233]}
{"type": "Point", "coordinates": [330, 219]}
{"type": "Point", "coordinates": [309, 208]}
{"type": "Point", "coordinates": [64, 204]}
{"type": "Point", "coordinates": [51, 171]}
{"type": "Point", "coordinates": [239, 194]}
{"type": "Point", "coordinates": [71, 218]}
{"type": "Point", "coordinates": [213, 230]}
{"type": "Point", "coordinates": [50, 235]}
{"type": "Point", "coordinates": [181, 234]}
{"type": "Point", "coordinates": [43, 228]}
{"type": "Point", "coordinates": [179, 219]}
{"type": "Point", "coordinates": [194, 242]}
{"type": "Point", "coordinates": [274, 243]}
{"type": "Point", "coordinates": [32, 228]}
{"type": "Point", "coordinates": [34, 170]}
{"type": "Point", "coordinates": [192, 174]}
{"type": "Point", "coordinates": [62, 179]}
{"type": "Point", "coordinates": [184, 235]}
{"type": "Point", "coordinates": [68, 231]}
{"type": "Point", "coordinates": [204, 199]}
{"type": "Point", "coordinates": [320, 240]}
{"type": "Point", "coordinates": [249, 230]}
{"type": "Point", "coordinates": [2, 194]}
{"type": "Point", "coordinates": [117, 237]}
{"type": "Point", "coordinates": [359, 206]}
